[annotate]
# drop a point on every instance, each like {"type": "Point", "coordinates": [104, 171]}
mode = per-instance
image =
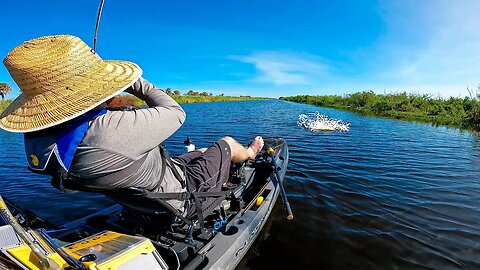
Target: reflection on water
{"type": "Point", "coordinates": [388, 194]}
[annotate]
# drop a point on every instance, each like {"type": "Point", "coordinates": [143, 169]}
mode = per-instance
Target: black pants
{"type": "Point", "coordinates": [208, 171]}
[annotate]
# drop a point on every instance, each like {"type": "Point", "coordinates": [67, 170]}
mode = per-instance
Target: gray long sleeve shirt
{"type": "Point", "coordinates": [117, 139]}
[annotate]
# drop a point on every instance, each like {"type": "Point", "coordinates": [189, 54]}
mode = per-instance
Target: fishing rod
{"type": "Point", "coordinates": [99, 15]}
{"type": "Point", "coordinates": [74, 264]}
{"type": "Point", "coordinates": [271, 152]}
{"type": "Point", "coordinates": [23, 234]}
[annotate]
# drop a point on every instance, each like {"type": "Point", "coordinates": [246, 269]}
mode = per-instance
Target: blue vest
{"type": "Point", "coordinates": [59, 141]}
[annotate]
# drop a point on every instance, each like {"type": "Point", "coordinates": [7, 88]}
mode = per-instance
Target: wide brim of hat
{"type": "Point", "coordinates": [28, 114]}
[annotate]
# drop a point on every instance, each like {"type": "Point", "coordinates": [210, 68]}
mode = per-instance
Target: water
{"type": "Point", "coordinates": [388, 194]}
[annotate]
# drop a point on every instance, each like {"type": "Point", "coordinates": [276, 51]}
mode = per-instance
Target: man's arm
{"type": "Point", "coordinates": [133, 133]}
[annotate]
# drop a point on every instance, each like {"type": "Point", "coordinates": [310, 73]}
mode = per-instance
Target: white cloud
{"type": "Point", "coordinates": [432, 44]}
{"type": "Point", "coordinates": [281, 68]}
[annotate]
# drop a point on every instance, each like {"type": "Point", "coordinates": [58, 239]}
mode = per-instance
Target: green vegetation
{"type": "Point", "coordinates": [125, 101]}
{"type": "Point", "coordinates": [5, 89]}
{"type": "Point", "coordinates": [4, 104]}
{"type": "Point", "coordinates": [196, 97]}
{"type": "Point", "coordinates": [459, 112]}
{"type": "Point", "coordinates": [182, 99]}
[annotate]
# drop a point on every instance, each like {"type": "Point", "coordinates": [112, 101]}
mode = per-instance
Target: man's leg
{"type": "Point", "coordinates": [187, 157]}
{"type": "Point", "coordinates": [210, 170]}
{"type": "Point", "coordinates": [240, 153]}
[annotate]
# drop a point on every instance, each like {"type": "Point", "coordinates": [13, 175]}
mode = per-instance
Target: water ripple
{"type": "Point", "coordinates": [387, 194]}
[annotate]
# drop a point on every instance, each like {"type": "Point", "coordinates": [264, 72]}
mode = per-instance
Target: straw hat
{"type": "Point", "coordinates": [60, 78]}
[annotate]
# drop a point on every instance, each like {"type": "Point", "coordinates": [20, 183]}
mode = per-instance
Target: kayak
{"type": "Point", "coordinates": [125, 236]}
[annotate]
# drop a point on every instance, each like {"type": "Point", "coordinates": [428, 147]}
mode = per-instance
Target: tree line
{"type": "Point", "coordinates": [176, 92]}
{"type": "Point", "coordinates": [455, 111]}
{"type": "Point", "coordinates": [6, 88]}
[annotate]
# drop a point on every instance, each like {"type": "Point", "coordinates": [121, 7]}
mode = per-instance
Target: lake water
{"type": "Point", "coordinates": [388, 194]}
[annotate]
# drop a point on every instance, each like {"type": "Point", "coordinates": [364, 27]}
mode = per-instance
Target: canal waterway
{"type": "Point", "coordinates": [388, 194]}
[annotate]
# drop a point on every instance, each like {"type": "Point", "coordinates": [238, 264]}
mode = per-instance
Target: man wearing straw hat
{"type": "Point", "coordinates": [67, 129]}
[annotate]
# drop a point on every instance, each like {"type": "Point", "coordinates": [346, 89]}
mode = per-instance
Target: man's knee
{"type": "Point", "coordinates": [232, 144]}
{"type": "Point", "coordinates": [231, 141]}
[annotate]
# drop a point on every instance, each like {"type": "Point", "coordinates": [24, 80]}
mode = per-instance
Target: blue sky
{"type": "Point", "coordinates": [271, 47]}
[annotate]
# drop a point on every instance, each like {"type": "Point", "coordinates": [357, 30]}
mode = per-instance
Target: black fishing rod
{"type": "Point", "coordinates": [99, 15]}
{"type": "Point", "coordinates": [36, 251]}
{"type": "Point", "coordinates": [271, 152]}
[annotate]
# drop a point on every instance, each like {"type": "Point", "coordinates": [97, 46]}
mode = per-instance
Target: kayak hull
{"type": "Point", "coordinates": [226, 251]}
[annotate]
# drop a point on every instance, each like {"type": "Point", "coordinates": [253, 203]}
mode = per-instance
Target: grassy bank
{"type": "Point", "coordinates": [120, 101]}
{"type": "Point", "coordinates": [459, 112]}
{"type": "Point", "coordinates": [183, 99]}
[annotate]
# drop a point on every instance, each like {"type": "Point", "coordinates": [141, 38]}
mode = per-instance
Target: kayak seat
{"type": "Point", "coordinates": [156, 203]}
{"type": "Point", "coordinates": [138, 200]}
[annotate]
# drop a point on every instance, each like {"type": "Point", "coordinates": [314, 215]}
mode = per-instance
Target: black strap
{"type": "Point", "coordinates": [166, 155]}
{"type": "Point", "coordinates": [162, 173]}
{"type": "Point", "coordinates": [198, 209]}
{"type": "Point", "coordinates": [173, 210]}
{"type": "Point", "coordinates": [183, 196]}
{"type": "Point", "coordinates": [201, 213]}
